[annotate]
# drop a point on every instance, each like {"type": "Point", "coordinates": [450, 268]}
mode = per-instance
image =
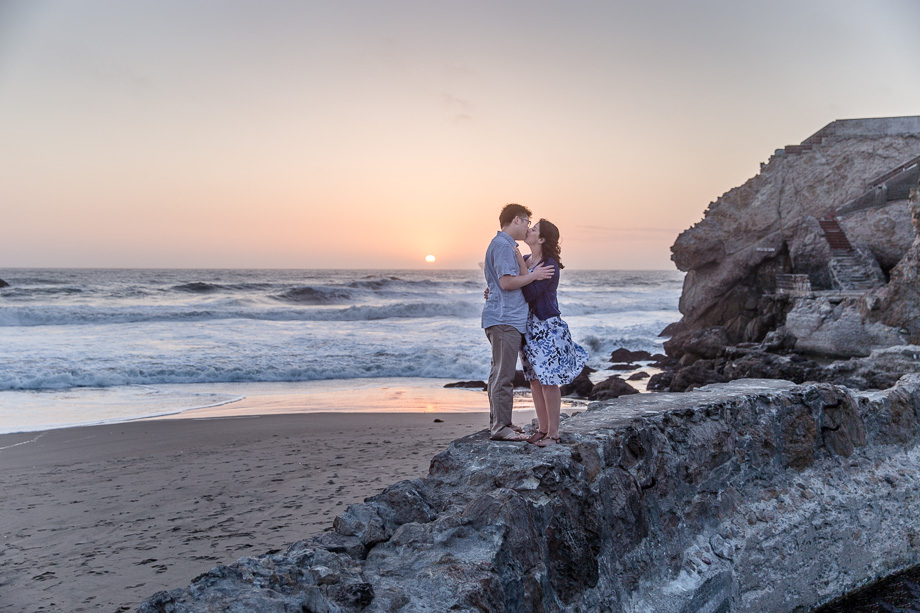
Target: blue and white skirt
{"type": "Point", "coordinates": [549, 354]}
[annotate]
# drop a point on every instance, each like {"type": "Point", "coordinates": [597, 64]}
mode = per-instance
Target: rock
{"type": "Point", "coordinates": [471, 384]}
{"type": "Point", "coordinates": [638, 376]}
{"type": "Point", "coordinates": [673, 328]}
{"type": "Point", "coordinates": [898, 303]}
{"type": "Point", "coordinates": [4, 283]}
{"type": "Point", "coordinates": [581, 386]}
{"type": "Point", "coordinates": [764, 228]}
{"type": "Point", "coordinates": [625, 355]}
{"type": "Point", "coordinates": [692, 377]}
{"type": "Point", "coordinates": [836, 329]}
{"type": "Point", "coordinates": [623, 367]}
{"type": "Point", "coordinates": [613, 387]}
{"type": "Point", "coordinates": [736, 497]}
{"type": "Point", "coordinates": [519, 380]}
{"type": "Point", "coordinates": [660, 382]}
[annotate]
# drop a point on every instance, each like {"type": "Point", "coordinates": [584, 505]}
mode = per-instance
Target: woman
{"type": "Point", "coordinates": [550, 357]}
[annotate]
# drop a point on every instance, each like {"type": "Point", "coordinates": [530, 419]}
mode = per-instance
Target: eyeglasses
{"type": "Point", "coordinates": [526, 220]}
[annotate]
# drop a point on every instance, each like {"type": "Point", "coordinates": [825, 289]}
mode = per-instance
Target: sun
{"type": "Point", "coordinates": [429, 258]}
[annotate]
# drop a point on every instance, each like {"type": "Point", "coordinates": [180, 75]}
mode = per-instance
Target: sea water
{"type": "Point", "coordinates": [80, 346]}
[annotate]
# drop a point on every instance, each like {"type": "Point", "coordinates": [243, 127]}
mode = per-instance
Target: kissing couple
{"type": "Point", "coordinates": [521, 317]}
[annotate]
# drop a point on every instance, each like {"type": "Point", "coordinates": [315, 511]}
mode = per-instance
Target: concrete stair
{"type": "Point", "coordinates": [850, 270]}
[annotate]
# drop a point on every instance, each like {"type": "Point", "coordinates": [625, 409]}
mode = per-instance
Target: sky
{"type": "Point", "coordinates": [370, 134]}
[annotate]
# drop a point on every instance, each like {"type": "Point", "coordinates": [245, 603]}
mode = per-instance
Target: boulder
{"type": "Point", "coordinates": [613, 387]}
{"type": "Point", "coordinates": [4, 283]}
{"type": "Point", "coordinates": [581, 386]}
{"type": "Point", "coordinates": [692, 377]}
{"type": "Point", "coordinates": [625, 355]}
{"type": "Point", "coordinates": [706, 343]}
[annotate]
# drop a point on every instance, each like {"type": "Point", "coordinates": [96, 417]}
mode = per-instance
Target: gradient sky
{"type": "Point", "coordinates": [369, 134]}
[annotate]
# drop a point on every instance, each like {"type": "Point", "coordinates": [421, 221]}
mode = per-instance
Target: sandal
{"type": "Point", "coordinates": [547, 441]}
{"type": "Point", "coordinates": [536, 436]}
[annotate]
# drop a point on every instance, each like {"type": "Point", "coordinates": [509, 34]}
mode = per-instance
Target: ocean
{"type": "Point", "coordinates": [85, 346]}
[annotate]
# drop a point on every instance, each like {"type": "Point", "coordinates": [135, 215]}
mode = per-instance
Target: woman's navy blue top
{"type": "Point", "coordinates": [541, 295]}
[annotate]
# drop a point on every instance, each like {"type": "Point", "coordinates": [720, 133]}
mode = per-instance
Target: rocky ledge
{"type": "Point", "coordinates": [754, 495]}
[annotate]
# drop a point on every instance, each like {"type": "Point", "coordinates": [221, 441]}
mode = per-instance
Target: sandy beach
{"type": "Point", "coordinates": [99, 518]}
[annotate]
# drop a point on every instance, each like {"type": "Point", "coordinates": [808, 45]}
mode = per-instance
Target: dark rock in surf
{"type": "Point", "coordinates": [581, 386]}
{"type": "Point", "coordinates": [470, 384]}
{"type": "Point", "coordinates": [625, 355]}
{"type": "Point", "coordinates": [614, 387]}
{"type": "Point", "coordinates": [4, 283]}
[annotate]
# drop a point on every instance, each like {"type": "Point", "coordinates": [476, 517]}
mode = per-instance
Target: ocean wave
{"type": "Point", "coordinates": [197, 287]}
{"type": "Point", "coordinates": [316, 295]}
{"type": "Point", "coordinates": [436, 363]}
{"type": "Point", "coordinates": [83, 315]}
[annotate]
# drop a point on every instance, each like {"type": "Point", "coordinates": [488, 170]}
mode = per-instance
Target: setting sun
{"type": "Point", "coordinates": [429, 258]}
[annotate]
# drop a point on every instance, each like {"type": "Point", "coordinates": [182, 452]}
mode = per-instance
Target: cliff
{"type": "Point", "coordinates": [748, 496]}
{"type": "Point", "coordinates": [832, 217]}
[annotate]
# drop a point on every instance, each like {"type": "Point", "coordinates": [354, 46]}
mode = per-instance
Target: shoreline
{"type": "Point", "coordinates": [101, 517]}
{"type": "Point", "coordinates": [90, 407]}
{"type": "Point", "coordinates": [80, 407]}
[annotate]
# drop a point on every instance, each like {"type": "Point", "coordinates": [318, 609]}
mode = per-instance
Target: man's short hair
{"type": "Point", "coordinates": [510, 212]}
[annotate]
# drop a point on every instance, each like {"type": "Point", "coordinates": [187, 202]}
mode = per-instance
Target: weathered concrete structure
{"type": "Point", "coordinates": [749, 496]}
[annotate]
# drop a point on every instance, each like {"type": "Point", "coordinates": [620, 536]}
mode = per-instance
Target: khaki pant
{"type": "Point", "coordinates": [506, 343]}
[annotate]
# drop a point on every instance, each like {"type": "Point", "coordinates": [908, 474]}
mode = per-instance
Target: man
{"type": "Point", "coordinates": [504, 316]}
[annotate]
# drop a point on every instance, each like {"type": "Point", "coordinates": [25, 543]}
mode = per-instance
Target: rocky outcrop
{"type": "Point", "coordinates": [778, 223]}
{"type": "Point", "coordinates": [898, 303]}
{"type": "Point", "coordinates": [748, 496]}
{"type": "Point", "coordinates": [4, 283]}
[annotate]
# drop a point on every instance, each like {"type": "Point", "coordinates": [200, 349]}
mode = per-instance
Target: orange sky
{"type": "Point", "coordinates": [370, 134]}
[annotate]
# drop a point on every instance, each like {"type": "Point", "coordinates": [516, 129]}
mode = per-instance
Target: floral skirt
{"type": "Point", "coordinates": [549, 354]}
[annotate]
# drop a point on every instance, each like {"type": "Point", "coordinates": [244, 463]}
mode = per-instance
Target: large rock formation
{"type": "Point", "coordinates": [748, 496]}
{"type": "Point", "coordinates": [4, 283]}
{"type": "Point", "coordinates": [835, 211]}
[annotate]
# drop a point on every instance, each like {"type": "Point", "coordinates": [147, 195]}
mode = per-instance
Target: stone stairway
{"type": "Point", "coordinates": [849, 268]}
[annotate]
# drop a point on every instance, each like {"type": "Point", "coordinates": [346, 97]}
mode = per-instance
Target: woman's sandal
{"type": "Point", "coordinates": [536, 436]}
{"type": "Point", "coordinates": [547, 441]}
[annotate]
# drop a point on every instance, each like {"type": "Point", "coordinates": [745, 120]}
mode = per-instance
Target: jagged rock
{"type": "Point", "coordinates": [771, 225]}
{"type": "Point", "coordinates": [834, 326]}
{"type": "Point", "coordinates": [4, 283]}
{"type": "Point", "coordinates": [613, 387]}
{"type": "Point", "coordinates": [692, 377]}
{"type": "Point", "coordinates": [470, 384]}
{"type": "Point", "coordinates": [660, 382]}
{"type": "Point", "coordinates": [749, 496]}
{"type": "Point", "coordinates": [625, 355]}
{"type": "Point", "coordinates": [898, 303]}
{"type": "Point", "coordinates": [581, 386]}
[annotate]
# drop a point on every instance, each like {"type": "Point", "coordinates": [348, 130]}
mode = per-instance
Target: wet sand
{"type": "Point", "coordinates": [99, 518]}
